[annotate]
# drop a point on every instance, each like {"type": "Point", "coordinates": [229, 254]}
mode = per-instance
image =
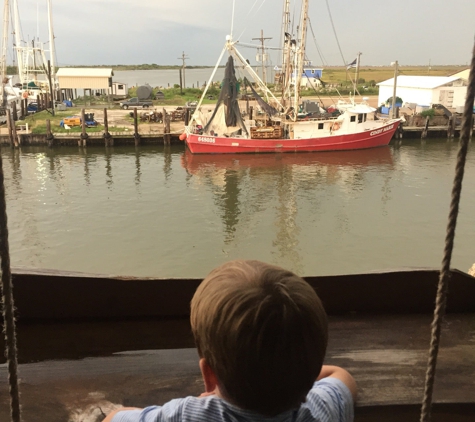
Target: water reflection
{"type": "Point", "coordinates": [108, 159]}
{"type": "Point", "coordinates": [167, 162]}
{"type": "Point", "coordinates": [242, 185]}
{"type": "Point", "coordinates": [140, 211]}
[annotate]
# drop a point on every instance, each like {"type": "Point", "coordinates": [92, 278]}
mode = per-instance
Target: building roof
{"type": "Point", "coordinates": [464, 74]}
{"type": "Point", "coordinates": [424, 82]}
{"type": "Point", "coordinates": [85, 72]}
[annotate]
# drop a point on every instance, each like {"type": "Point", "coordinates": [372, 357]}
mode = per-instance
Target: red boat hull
{"type": "Point", "coordinates": [205, 144]}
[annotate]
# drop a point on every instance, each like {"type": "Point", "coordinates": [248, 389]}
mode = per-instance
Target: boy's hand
{"type": "Point", "coordinates": [112, 414]}
{"type": "Point", "coordinates": [341, 374]}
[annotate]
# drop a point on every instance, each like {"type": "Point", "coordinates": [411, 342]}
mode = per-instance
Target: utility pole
{"type": "Point", "coordinates": [263, 57]}
{"type": "Point", "coordinates": [182, 58]}
{"type": "Point", "coordinates": [358, 68]}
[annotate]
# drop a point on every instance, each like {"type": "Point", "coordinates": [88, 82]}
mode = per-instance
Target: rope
{"type": "Point", "coordinates": [8, 305]}
{"type": "Point", "coordinates": [334, 32]}
{"type": "Point", "coordinates": [444, 276]}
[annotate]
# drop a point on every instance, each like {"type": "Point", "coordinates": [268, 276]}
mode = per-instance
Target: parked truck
{"type": "Point", "coordinates": [135, 102]}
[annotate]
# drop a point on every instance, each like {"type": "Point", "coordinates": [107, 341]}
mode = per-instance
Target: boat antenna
{"type": "Point", "coordinates": [232, 18]}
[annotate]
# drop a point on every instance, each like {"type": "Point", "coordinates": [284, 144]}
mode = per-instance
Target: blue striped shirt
{"type": "Point", "coordinates": [329, 400]}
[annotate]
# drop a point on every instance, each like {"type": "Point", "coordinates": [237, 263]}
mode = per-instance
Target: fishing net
{"type": "Point", "coordinates": [268, 109]}
{"type": "Point", "coordinates": [227, 117]}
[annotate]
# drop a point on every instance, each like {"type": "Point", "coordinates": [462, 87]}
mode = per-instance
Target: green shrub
{"type": "Point", "coordinates": [398, 100]}
{"type": "Point", "coordinates": [428, 113]}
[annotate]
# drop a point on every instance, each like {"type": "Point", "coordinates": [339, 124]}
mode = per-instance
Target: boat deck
{"type": "Point", "coordinates": [87, 342]}
{"type": "Point", "coordinates": [386, 354]}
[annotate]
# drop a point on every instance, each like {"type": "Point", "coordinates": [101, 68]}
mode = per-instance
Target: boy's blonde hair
{"type": "Point", "coordinates": [263, 331]}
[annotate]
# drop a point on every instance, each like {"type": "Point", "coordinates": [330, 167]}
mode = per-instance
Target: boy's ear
{"type": "Point", "coordinates": [209, 377]}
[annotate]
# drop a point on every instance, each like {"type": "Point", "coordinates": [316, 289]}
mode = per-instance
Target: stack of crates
{"type": "Point", "coordinates": [266, 132]}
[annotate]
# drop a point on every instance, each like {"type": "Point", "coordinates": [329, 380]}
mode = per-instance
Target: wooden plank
{"type": "Point", "coordinates": [387, 355]}
{"type": "Point", "coordinates": [378, 331]}
{"type": "Point", "coordinates": [59, 295]}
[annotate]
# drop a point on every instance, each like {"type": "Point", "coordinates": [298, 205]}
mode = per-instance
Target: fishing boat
{"type": "Point", "coordinates": [281, 126]}
{"type": "Point", "coordinates": [33, 73]}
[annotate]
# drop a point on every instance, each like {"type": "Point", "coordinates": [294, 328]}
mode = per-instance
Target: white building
{"type": "Point", "coordinates": [449, 91]}
{"type": "Point", "coordinates": [87, 79]}
{"type": "Point", "coordinates": [119, 90]}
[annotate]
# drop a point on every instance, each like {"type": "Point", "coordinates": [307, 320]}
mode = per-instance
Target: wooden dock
{"type": "Point", "coordinates": [142, 130]}
{"type": "Point", "coordinates": [88, 343]}
{"type": "Point", "coordinates": [441, 126]}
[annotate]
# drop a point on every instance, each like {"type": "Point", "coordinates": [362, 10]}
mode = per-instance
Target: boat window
{"type": "Point", "coordinates": [352, 118]}
{"type": "Point", "coordinates": [320, 126]}
{"type": "Point", "coordinates": [360, 118]}
{"type": "Point", "coordinates": [364, 117]}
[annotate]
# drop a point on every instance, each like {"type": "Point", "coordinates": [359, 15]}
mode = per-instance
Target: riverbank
{"type": "Point", "coordinates": [150, 129]}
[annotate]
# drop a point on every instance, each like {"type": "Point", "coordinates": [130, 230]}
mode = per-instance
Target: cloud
{"type": "Point", "coordinates": [132, 31]}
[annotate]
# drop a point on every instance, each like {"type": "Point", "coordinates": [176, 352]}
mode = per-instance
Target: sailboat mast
{"type": "Point", "coordinates": [52, 51]}
{"type": "Point", "coordinates": [6, 19]}
{"type": "Point", "coordinates": [18, 46]}
{"type": "Point", "coordinates": [300, 54]}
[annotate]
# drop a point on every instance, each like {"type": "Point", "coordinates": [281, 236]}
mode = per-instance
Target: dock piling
{"type": "Point", "coordinates": [426, 128]}
{"type": "Point", "coordinates": [49, 134]}
{"type": "Point", "coordinates": [166, 127]}
{"type": "Point", "coordinates": [9, 125]}
{"type": "Point", "coordinates": [16, 141]}
{"type": "Point", "coordinates": [136, 128]}
{"type": "Point", "coordinates": [108, 140]}
{"type": "Point", "coordinates": [187, 116]}
{"type": "Point", "coordinates": [451, 127]}
{"type": "Point", "coordinates": [83, 139]}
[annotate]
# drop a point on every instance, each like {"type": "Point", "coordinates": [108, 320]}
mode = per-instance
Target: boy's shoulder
{"type": "Point", "coordinates": [211, 408]}
{"type": "Point", "coordinates": [329, 399]}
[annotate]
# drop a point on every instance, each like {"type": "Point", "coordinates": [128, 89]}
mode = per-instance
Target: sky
{"type": "Point", "coordinates": [111, 32]}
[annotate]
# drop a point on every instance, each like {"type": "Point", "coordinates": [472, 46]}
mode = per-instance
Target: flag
{"type": "Point", "coordinates": [352, 64]}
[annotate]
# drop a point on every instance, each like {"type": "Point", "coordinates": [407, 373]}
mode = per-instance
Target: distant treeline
{"type": "Point", "coordinates": [145, 66]}
{"type": "Point", "coordinates": [13, 70]}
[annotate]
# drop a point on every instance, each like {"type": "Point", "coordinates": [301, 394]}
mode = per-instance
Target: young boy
{"type": "Point", "coordinates": [261, 334]}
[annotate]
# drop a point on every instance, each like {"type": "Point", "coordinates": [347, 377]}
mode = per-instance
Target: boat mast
{"type": "Point", "coordinates": [6, 18]}
{"type": "Point", "coordinates": [286, 39]}
{"type": "Point", "coordinates": [18, 46]}
{"type": "Point", "coordinates": [300, 55]}
{"type": "Point", "coordinates": [52, 50]}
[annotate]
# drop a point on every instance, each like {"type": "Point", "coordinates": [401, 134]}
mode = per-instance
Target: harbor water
{"type": "Point", "coordinates": [162, 212]}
